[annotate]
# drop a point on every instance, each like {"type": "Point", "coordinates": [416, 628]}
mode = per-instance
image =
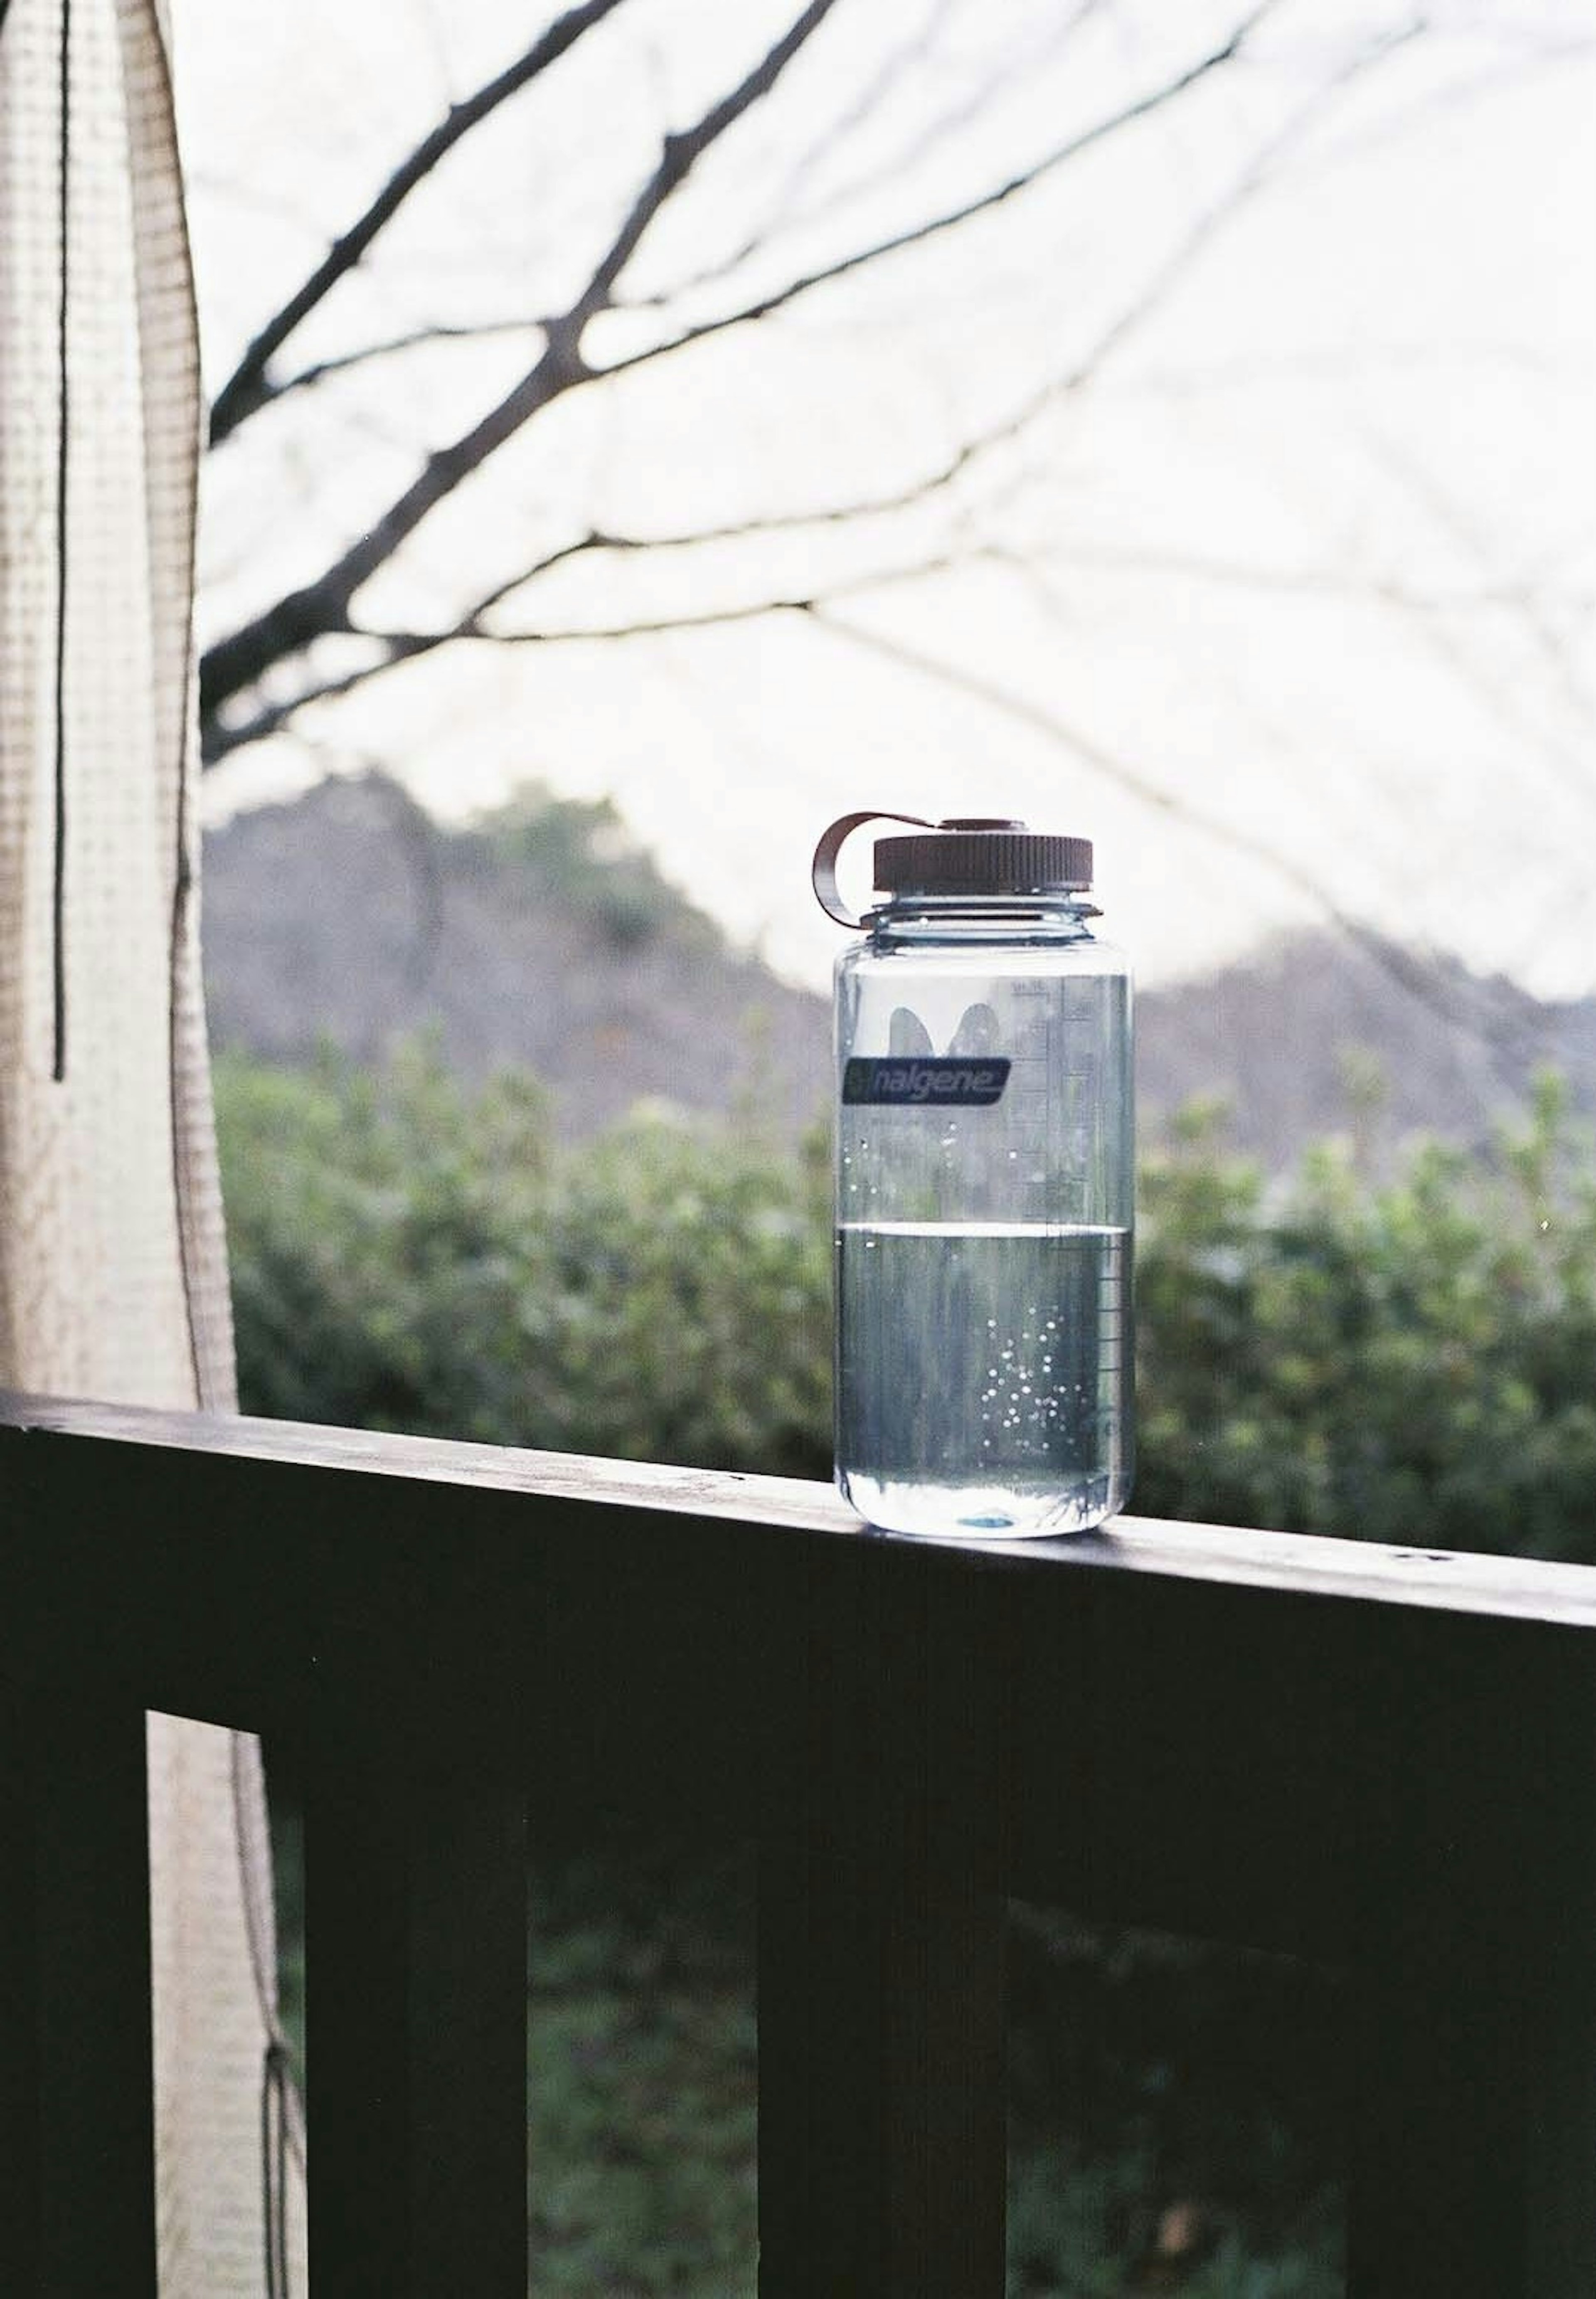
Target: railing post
{"type": "Point", "coordinates": [416, 2015]}
{"type": "Point", "coordinates": [77, 2117]}
{"type": "Point", "coordinates": [1474, 2155]}
{"type": "Point", "coordinates": [882, 2140]}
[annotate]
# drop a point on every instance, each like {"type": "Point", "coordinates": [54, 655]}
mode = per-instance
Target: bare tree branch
{"type": "Point", "coordinates": [247, 386]}
{"type": "Point", "coordinates": [399, 646]}
{"type": "Point", "coordinates": [859, 110]}
{"type": "Point", "coordinates": [699, 618]}
{"type": "Point", "coordinates": [863, 108]}
{"type": "Point", "coordinates": [682, 152]}
{"type": "Point", "coordinates": [323, 607]}
{"type": "Point", "coordinates": [1452, 519]}
{"type": "Point", "coordinates": [916, 234]}
{"type": "Point", "coordinates": [600, 540]}
{"type": "Point", "coordinates": [1074, 378]}
{"type": "Point", "coordinates": [1309, 582]}
{"type": "Point", "coordinates": [1404, 966]}
{"type": "Point", "coordinates": [1335, 364]}
{"type": "Point", "coordinates": [672, 168]}
{"type": "Point", "coordinates": [969, 104]}
{"type": "Point", "coordinates": [393, 346]}
{"type": "Point", "coordinates": [1564, 759]}
{"type": "Point", "coordinates": [1464, 93]}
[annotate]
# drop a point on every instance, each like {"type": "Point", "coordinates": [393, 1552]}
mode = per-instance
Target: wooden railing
{"type": "Point", "coordinates": [1383, 1758]}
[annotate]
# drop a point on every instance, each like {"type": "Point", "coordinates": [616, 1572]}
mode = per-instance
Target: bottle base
{"type": "Point", "coordinates": [982, 1512]}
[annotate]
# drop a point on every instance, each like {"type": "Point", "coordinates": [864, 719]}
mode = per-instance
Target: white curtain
{"type": "Point", "coordinates": [112, 1267]}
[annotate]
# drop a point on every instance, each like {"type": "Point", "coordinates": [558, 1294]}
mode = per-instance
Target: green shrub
{"type": "Point", "coordinates": [1409, 1364]}
{"type": "Point", "coordinates": [579, 852]}
{"type": "Point", "coordinates": [408, 1253]}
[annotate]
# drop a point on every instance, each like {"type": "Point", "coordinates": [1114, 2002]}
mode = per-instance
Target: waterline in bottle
{"type": "Point", "coordinates": [984, 1374]}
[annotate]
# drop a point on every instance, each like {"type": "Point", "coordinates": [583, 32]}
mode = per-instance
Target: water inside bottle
{"type": "Point", "coordinates": [983, 1380]}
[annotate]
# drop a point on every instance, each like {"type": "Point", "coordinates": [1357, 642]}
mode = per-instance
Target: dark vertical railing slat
{"type": "Point", "coordinates": [882, 2156]}
{"type": "Point", "coordinates": [416, 2008]}
{"type": "Point", "coordinates": [76, 2086]}
{"type": "Point", "coordinates": [1561, 2009]}
{"type": "Point", "coordinates": [96, 2090]}
{"type": "Point", "coordinates": [19, 2002]}
{"type": "Point", "coordinates": [1438, 2142]}
{"type": "Point", "coordinates": [1474, 2152]}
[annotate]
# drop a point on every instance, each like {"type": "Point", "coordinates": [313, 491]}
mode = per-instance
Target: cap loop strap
{"type": "Point", "coordinates": [823, 870]}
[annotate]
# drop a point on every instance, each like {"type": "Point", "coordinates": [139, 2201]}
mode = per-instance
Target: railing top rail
{"type": "Point", "coordinates": [1374, 1758]}
{"type": "Point", "coordinates": [1502, 1586]}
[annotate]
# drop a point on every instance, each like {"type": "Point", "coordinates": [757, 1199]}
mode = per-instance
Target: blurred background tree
{"type": "Point", "coordinates": [816, 186]}
{"type": "Point", "coordinates": [1158, 412]}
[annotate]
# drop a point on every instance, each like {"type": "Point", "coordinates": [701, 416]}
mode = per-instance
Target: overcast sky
{"type": "Point", "coordinates": [1288, 604]}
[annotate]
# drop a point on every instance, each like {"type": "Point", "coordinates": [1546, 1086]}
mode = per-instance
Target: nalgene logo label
{"type": "Point", "coordinates": [872, 1078]}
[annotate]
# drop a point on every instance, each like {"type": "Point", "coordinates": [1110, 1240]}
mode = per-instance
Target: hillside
{"type": "Point", "coordinates": [544, 937]}
{"type": "Point", "coordinates": [1316, 1035]}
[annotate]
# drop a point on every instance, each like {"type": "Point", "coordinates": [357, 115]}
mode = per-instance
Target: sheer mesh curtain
{"type": "Point", "coordinates": [113, 1271]}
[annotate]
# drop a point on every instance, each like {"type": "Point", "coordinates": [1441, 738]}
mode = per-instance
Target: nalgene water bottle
{"type": "Point", "coordinates": [985, 1186]}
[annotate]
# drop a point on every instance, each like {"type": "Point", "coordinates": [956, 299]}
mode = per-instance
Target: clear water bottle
{"type": "Point", "coordinates": [985, 1186]}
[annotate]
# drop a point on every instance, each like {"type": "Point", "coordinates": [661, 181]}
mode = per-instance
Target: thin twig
{"type": "Point", "coordinates": [1309, 582]}
{"type": "Point", "coordinates": [1401, 965]}
{"type": "Point", "coordinates": [246, 387]}
{"type": "Point", "coordinates": [321, 607]}
{"type": "Point", "coordinates": [392, 346]}
{"type": "Point", "coordinates": [681, 153]}
{"type": "Point", "coordinates": [402, 646]}
{"type": "Point", "coordinates": [916, 234]}
{"type": "Point", "coordinates": [972, 96]}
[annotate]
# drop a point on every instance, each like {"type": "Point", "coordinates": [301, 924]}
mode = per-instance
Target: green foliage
{"type": "Point", "coordinates": [1409, 1364]}
{"type": "Point", "coordinates": [642, 2075]}
{"type": "Point", "coordinates": [1405, 1363]}
{"type": "Point", "coordinates": [580, 852]}
{"type": "Point", "coordinates": [643, 2099]}
{"type": "Point", "coordinates": [1173, 2111]}
{"type": "Point", "coordinates": [407, 1254]}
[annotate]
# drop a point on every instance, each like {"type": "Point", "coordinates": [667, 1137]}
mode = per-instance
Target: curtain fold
{"type": "Point", "coordinates": [113, 1258]}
